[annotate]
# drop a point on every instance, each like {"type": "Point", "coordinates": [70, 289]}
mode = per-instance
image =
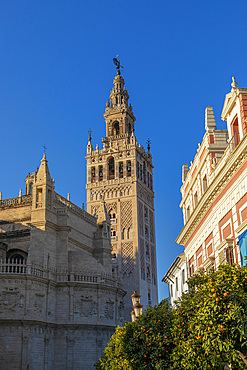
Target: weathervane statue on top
{"type": "Point", "coordinates": [117, 64]}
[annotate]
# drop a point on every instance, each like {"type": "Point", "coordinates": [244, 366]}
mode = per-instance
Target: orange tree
{"type": "Point", "coordinates": [114, 354]}
{"type": "Point", "coordinates": [207, 330]}
{"type": "Point", "coordinates": [144, 344]}
{"type": "Point", "coordinates": [210, 322]}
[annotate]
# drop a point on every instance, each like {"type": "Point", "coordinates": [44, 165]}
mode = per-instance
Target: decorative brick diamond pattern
{"type": "Point", "coordinates": [142, 254]}
{"type": "Point", "coordinates": [94, 209]}
{"type": "Point", "coordinates": [140, 217]}
{"type": "Point", "coordinates": [127, 258]}
{"type": "Point", "coordinates": [112, 206]}
{"type": "Point", "coordinates": [153, 259]}
{"type": "Point", "coordinates": [151, 223]}
{"type": "Point", "coordinates": [126, 214]}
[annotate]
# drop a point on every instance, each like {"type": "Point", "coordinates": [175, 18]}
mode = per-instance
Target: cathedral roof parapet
{"type": "Point", "coordinates": [25, 269]}
{"type": "Point", "coordinates": [24, 199]}
{"type": "Point", "coordinates": [59, 198]}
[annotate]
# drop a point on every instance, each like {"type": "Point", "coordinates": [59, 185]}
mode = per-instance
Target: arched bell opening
{"type": "Point", "coordinates": [115, 128]}
{"type": "Point", "coordinates": [111, 168]}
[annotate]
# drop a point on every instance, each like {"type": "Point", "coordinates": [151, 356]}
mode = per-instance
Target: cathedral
{"type": "Point", "coordinates": [66, 274]}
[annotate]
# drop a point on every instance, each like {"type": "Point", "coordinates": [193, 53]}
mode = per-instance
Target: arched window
{"type": "Point", "coordinates": [111, 168]}
{"type": "Point", "coordinates": [31, 188]}
{"type": "Point", "coordinates": [17, 258]}
{"type": "Point", "coordinates": [137, 169]}
{"type": "Point", "coordinates": [100, 173]}
{"type": "Point", "coordinates": [116, 128]}
{"type": "Point", "coordinates": [129, 168]}
{"type": "Point", "coordinates": [144, 173]}
{"type": "Point", "coordinates": [121, 169]}
{"type": "Point", "coordinates": [93, 174]}
{"type": "Point", "coordinates": [148, 275]}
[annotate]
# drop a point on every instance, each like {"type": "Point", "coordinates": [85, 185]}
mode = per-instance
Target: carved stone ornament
{"type": "Point", "coordinates": [10, 300]}
{"type": "Point", "coordinates": [109, 309]}
{"type": "Point", "coordinates": [85, 306]}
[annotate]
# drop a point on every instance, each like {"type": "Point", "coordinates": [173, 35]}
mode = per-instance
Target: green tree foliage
{"type": "Point", "coordinates": [210, 323]}
{"type": "Point", "coordinates": [207, 330]}
{"type": "Point", "coordinates": [144, 344]}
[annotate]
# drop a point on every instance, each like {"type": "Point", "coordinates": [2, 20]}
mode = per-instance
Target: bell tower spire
{"type": "Point", "coordinates": [118, 113]}
{"type": "Point", "coordinates": [122, 174]}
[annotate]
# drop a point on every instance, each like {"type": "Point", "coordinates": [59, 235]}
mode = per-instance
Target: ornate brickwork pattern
{"type": "Point", "coordinates": [153, 259]}
{"type": "Point", "coordinates": [112, 206]}
{"type": "Point", "coordinates": [126, 215]}
{"type": "Point", "coordinates": [151, 223]}
{"type": "Point", "coordinates": [127, 257]}
{"type": "Point", "coordinates": [145, 196]}
{"type": "Point", "coordinates": [140, 217]}
{"type": "Point", "coordinates": [94, 209]}
{"type": "Point", "coordinates": [116, 191]}
{"type": "Point", "coordinates": [142, 256]}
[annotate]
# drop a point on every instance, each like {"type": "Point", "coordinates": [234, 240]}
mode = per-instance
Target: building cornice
{"type": "Point", "coordinates": [233, 164]}
{"type": "Point", "coordinates": [174, 266]}
{"type": "Point", "coordinates": [241, 228]}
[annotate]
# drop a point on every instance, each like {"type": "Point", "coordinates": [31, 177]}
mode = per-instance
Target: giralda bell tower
{"type": "Point", "coordinates": [121, 174]}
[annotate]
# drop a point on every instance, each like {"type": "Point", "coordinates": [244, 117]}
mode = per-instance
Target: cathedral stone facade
{"type": "Point", "coordinates": [122, 174]}
{"type": "Point", "coordinates": [59, 302]}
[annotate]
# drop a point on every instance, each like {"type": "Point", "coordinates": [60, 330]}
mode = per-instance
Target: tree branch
{"type": "Point", "coordinates": [243, 357]}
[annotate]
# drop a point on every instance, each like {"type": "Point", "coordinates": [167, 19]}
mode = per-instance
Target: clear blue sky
{"type": "Point", "coordinates": [56, 74]}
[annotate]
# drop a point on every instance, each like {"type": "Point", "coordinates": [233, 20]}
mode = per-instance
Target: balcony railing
{"type": "Point", "coordinates": [22, 268]}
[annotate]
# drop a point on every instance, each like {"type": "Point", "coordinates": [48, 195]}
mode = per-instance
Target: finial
{"type": "Point", "coordinates": [117, 64]}
{"type": "Point", "coordinates": [107, 103]}
{"type": "Point", "coordinates": [148, 142]}
{"type": "Point", "coordinates": [132, 130]}
{"type": "Point", "coordinates": [234, 83]}
{"type": "Point", "coordinates": [90, 134]}
{"type": "Point", "coordinates": [83, 206]}
{"type": "Point", "coordinates": [44, 148]}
